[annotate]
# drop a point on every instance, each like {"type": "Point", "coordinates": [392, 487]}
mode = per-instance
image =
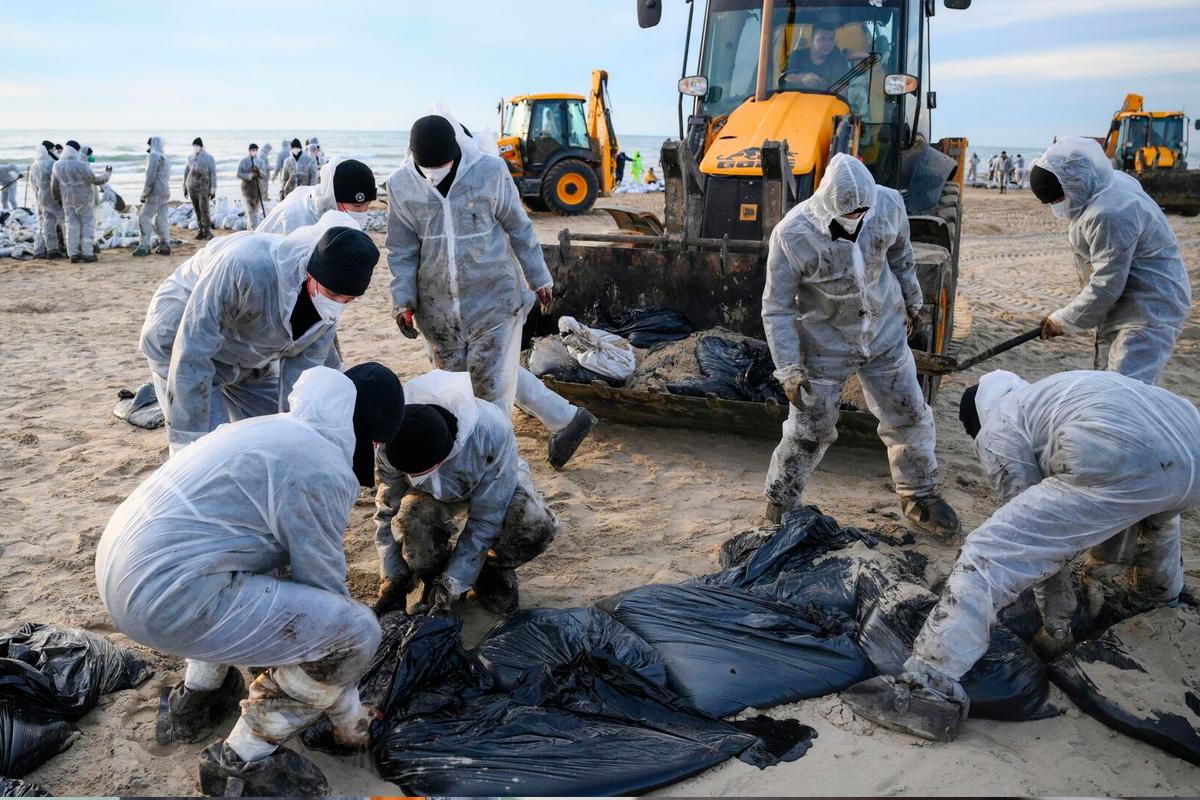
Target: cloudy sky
{"type": "Point", "coordinates": [1008, 72]}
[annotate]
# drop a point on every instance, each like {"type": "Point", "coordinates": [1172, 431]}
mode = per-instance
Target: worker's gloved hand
{"type": "Point", "coordinates": [793, 385]}
{"type": "Point", "coordinates": [545, 298]}
{"type": "Point", "coordinates": [444, 594]}
{"type": "Point", "coordinates": [404, 321]}
{"type": "Point", "coordinates": [393, 596]}
{"type": "Point", "coordinates": [212, 196]}
{"type": "Point", "coordinates": [257, 174]}
{"type": "Point", "coordinates": [145, 198]}
{"type": "Point", "coordinates": [914, 317]}
{"type": "Point", "coordinates": [1050, 328]}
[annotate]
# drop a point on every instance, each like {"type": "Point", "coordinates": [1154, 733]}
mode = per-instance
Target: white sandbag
{"type": "Point", "coordinates": [599, 351]}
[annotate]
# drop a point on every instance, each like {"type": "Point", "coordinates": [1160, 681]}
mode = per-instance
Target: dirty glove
{"type": "Point", "coordinates": [793, 385]}
{"type": "Point", "coordinates": [914, 317]}
{"type": "Point", "coordinates": [393, 595]}
{"type": "Point", "coordinates": [404, 321]}
{"type": "Point", "coordinates": [256, 173]}
{"type": "Point", "coordinates": [1051, 328]}
{"type": "Point", "coordinates": [545, 297]}
{"type": "Point", "coordinates": [443, 594]}
{"type": "Point", "coordinates": [147, 197]}
{"type": "Point", "coordinates": [212, 196]}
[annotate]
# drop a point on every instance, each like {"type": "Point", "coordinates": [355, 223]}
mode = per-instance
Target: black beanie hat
{"type": "Point", "coordinates": [295, 143]}
{"type": "Point", "coordinates": [424, 440]}
{"type": "Point", "coordinates": [378, 413]}
{"type": "Point", "coordinates": [432, 141]}
{"type": "Point", "coordinates": [252, 146]}
{"type": "Point", "coordinates": [1045, 185]}
{"type": "Point", "coordinates": [353, 182]}
{"type": "Point", "coordinates": [73, 143]}
{"type": "Point", "coordinates": [46, 143]}
{"type": "Point", "coordinates": [343, 261]}
{"type": "Point", "coordinates": [968, 414]}
{"type": "Point", "coordinates": [198, 141]}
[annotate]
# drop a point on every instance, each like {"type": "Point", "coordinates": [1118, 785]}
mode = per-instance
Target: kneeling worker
{"type": "Point", "coordinates": [454, 450]}
{"type": "Point", "coordinates": [1077, 457]}
{"type": "Point", "coordinates": [189, 565]}
{"type": "Point", "coordinates": [841, 292]}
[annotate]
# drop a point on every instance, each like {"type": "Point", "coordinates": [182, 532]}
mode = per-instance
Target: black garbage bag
{"type": "Point", "coordinates": [733, 369]}
{"type": "Point", "coordinates": [645, 327]}
{"type": "Point", "coordinates": [62, 671]}
{"type": "Point", "coordinates": [1138, 677]}
{"type": "Point", "coordinates": [11, 787]}
{"type": "Point", "coordinates": [28, 739]}
{"type": "Point", "coordinates": [726, 650]}
{"type": "Point", "coordinates": [140, 409]}
{"type": "Point", "coordinates": [1008, 683]}
{"type": "Point", "coordinates": [560, 702]}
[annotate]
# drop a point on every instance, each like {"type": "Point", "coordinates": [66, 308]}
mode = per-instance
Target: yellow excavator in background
{"type": "Point", "coordinates": [561, 149]}
{"type": "Point", "coordinates": [1152, 146]}
{"type": "Point", "coordinates": [781, 86]}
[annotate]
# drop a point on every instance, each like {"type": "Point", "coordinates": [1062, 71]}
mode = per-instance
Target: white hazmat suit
{"type": "Point", "coordinates": [1136, 293]}
{"type": "Point", "coordinates": [188, 563]}
{"type": "Point", "coordinates": [254, 190]}
{"type": "Point", "coordinates": [155, 215]}
{"type": "Point", "coordinates": [73, 183]}
{"type": "Point", "coordinates": [49, 210]}
{"type": "Point", "coordinates": [297, 171]}
{"type": "Point", "coordinates": [1077, 458]}
{"type": "Point", "coordinates": [303, 206]}
{"type": "Point", "coordinates": [10, 174]}
{"type": "Point", "coordinates": [833, 308]}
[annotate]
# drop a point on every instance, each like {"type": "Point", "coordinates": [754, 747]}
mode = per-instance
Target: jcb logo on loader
{"type": "Point", "coordinates": [749, 158]}
{"type": "Point", "coordinates": [748, 212]}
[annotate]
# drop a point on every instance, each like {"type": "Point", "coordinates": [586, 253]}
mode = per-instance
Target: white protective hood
{"type": "Point", "coordinates": [1081, 167]}
{"type": "Point", "coordinates": [323, 398]}
{"type": "Point", "coordinates": [848, 185]}
{"type": "Point", "coordinates": [993, 388]}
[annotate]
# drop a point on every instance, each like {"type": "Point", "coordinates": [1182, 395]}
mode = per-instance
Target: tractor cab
{"type": "Point", "coordinates": [1142, 141]}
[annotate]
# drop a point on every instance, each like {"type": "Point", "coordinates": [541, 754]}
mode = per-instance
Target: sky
{"type": "Point", "coordinates": [1007, 72]}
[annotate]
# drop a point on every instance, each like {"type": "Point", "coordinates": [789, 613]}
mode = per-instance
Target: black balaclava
{"type": "Point", "coordinates": [294, 145]}
{"type": "Point", "coordinates": [197, 141]}
{"type": "Point", "coordinates": [343, 261]}
{"type": "Point", "coordinates": [1044, 185]}
{"type": "Point", "coordinates": [836, 231]}
{"type": "Point", "coordinates": [432, 141]}
{"type": "Point", "coordinates": [353, 182]}
{"type": "Point", "coordinates": [968, 414]}
{"type": "Point", "coordinates": [424, 440]}
{"type": "Point", "coordinates": [378, 414]}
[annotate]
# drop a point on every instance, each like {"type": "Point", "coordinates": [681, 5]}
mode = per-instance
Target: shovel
{"type": "Point", "coordinates": [933, 364]}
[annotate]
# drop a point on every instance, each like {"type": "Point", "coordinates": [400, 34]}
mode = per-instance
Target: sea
{"type": "Point", "coordinates": [383, 151]}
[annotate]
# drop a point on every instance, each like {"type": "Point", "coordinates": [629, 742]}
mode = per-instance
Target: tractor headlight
{"type": "Point", "coordinates": [899, 84]}
{"type": "Point", "coordinates": [694, 85]}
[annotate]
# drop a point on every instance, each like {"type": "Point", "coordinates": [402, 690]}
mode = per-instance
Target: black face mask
{"type": "Point", "coordinates": [968, 413]}
{"type": "Point", "coordinates": [364, 460]}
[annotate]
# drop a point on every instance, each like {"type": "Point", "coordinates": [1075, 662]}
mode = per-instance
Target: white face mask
{"type": "Point", "coordinates": [849, 225]}
{"type": "Point", "coordinates": [435, 175]}
{"type": "Point", "coordinates": [296, 151]}
{"type": "Point", "coordinates": [328, 308]}
{"type": "Point", "coordinates": [360, 217]}
{"type": "Point", "coordinates": [196, 149]}
{"type": "Point", "coordinates": [1060, 210]}
{"type": "Point", "coordinates": [430, 481]}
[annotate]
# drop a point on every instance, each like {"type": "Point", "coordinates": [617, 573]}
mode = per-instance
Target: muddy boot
{"type": "Point", "coordinates": [774, 513]}
{"type": "Point", "coordinates": [1050, 645]}
{"type": "Point", "coordinates": [54, 255]}
{"type": "Point", "coordinates": [92, 259]}
{"type": "Point", "coordinates": [564, 443]}
{"type": "Point", "coordinates": [284, 773]}
{"type": "Point", "coordinates": [199, 234]}
{"type": "Point", "coordinates": [189, 715]}
{"type": "Point", "coordinates": [76, 259]}
{"type": "Point", "coordinates": [164, 250]}
{"type": "Point", "coordinates": [931, 514]}
{"type": "Point", "coordinates": [906, 707]}
{"type": "Point", "coordinates": [496, 591]}
{"type": "Point", "coordinates": [141, 250]}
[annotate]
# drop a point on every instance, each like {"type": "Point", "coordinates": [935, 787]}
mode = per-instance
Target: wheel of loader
{"type": "Point", "coordinates": [570, 188]}
{"type": "Point", "coordinates": [535, 204]}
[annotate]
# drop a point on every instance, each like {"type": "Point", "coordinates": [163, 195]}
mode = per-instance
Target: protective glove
{"type": "Point", "coordinates": [914, 316]}
{"type": "Point", "coordinates": [1050, 328]}
{"type": "Point", "coordinates": [146, 197]}
{"type": "Point", "coordinates": [393, 596]}
{"type": "Point", "coordinates": [404, 321]}
{"type": "Point", "coordinates": [212, 196]}
{"type": "Point", "coordinates": [441, 597]}
{"type": "Point", "coordinates": [257, 174]}
{"type": "Point", "coordinates": [793, 386]}
{"type": "Point", "coordinates": [545, 298]}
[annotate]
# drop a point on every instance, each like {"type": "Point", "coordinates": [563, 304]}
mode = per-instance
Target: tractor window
{"type": "Point", "coordinates": [516, 119]}
{"type": "Point", "coordinates": [577, 133]}
{"type": "Point", "coordinates": [1167, 132]}
{"type": "Point", "coordinates": [546, 129]}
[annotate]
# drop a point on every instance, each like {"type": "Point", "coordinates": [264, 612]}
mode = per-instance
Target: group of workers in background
{"type": "Point", "coordinates": [1003, 171]}
{"type": "Point", "coordinates": [243, 333]}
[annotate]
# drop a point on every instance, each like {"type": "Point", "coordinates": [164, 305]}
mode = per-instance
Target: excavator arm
{"type": "Point", "coordinates": [600, 129]}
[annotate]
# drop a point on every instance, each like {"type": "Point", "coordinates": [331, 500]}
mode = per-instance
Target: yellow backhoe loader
{"type": "Point", "coordinates": [781, 86]}
{"type": "Point", "coordinates": [1152, 146]}
{"type": "Point", "coordinates": [561, 149]}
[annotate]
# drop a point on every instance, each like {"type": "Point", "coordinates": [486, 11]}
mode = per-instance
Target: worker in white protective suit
{"type": "Point", "coordinates": [840, 295]}
{"type": "Point", "coordinates": [1136, 294]}
{"type": "Point", "coordinates": [49, 210]}
{"type": "Point", "coordinates": [73, 183]}
{"type": "Point", "coordinates": [252, 171]}
{"type": "Point", "coordinates": [299, 169]}
{"type": "Point", "coordinates": [347, 186]}
{"type": "Point", "coordinates": [228, 334]}
{"type": "Point", "coordinates": [155, 216]}
{"type": "Point", "coordinates": [9, 175]}
{"type": "Point", "coordinates": [1077, 458]}
{"type": "Point", "coordinates": [466, 264]}
{"type": "Point", "coordinates": [190, 564]}
{"type": "Point", "coordinates": [200, 186]}
{"type": "Point", "coordinates": [455, 452]}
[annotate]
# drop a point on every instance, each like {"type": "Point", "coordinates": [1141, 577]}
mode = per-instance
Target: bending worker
{"type": "Point", "coordinates": [252, 172]}
{"type": "Point", "coordinates": [1136, 293]}
{"type": "Point", "coordinates": [347, 186]}
{"type": "Point", "coordinates": [49, 210]}
{"type": "Point", "coordinates": [453, 451]}
{"type": "Point", "coordinates": [155, 213]}
{"type": "Point", "coordinates": [189, 565]}
{"type": "Point", "coordinates": [464, 258]}
{"type": "Point", "coordinates": [200, 185]}
{"type": "Point", "coordinates": [1077, 458]}
{"type": "Point", "coordinates": [72, 183]}
{"type": "Point", "coordinates": [228, 334]}
{"type": "Point", "coordinates": [840, 295]}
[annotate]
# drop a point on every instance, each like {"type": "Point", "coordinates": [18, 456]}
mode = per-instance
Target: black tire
{"type": "Point", "coordinates": [949, 208]}
{"type": "Point", "coordinates": [570, 188]}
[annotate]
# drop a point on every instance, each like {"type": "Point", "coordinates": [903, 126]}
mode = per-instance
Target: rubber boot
{"type": "Point", "coordinates": [92, 259]}
{"type": "Point", "coordinates": [141, 250]}
{"type": "Point", "coordinates": [565, 442]}
{"type": "Point", "coordinates": [54, 255]}
{"type": "Point", "coordinates": [284, 773]}
{"type": "Point", "coordinates": [1050, 645]}
{"type": "Point", "coordinates": [774, 513]}
{"type": "Point", "coordinates": [164, 250]}
{"type": "Point", "coordinates": [931, 514]}
{"type": "Point", "coordinates": [189, 715]}
{"type": "Point", "coordinates": [199, 234]}
{"type": "Point", "coordinates": [79, 259]}
{"type": "Point", "coordinates": [906, 707]}
{"type": "Point", "coordinates": [497, 592]}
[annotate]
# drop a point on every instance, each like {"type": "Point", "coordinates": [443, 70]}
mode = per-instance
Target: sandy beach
{"type": "Point", "coordinates": [638, 505]}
